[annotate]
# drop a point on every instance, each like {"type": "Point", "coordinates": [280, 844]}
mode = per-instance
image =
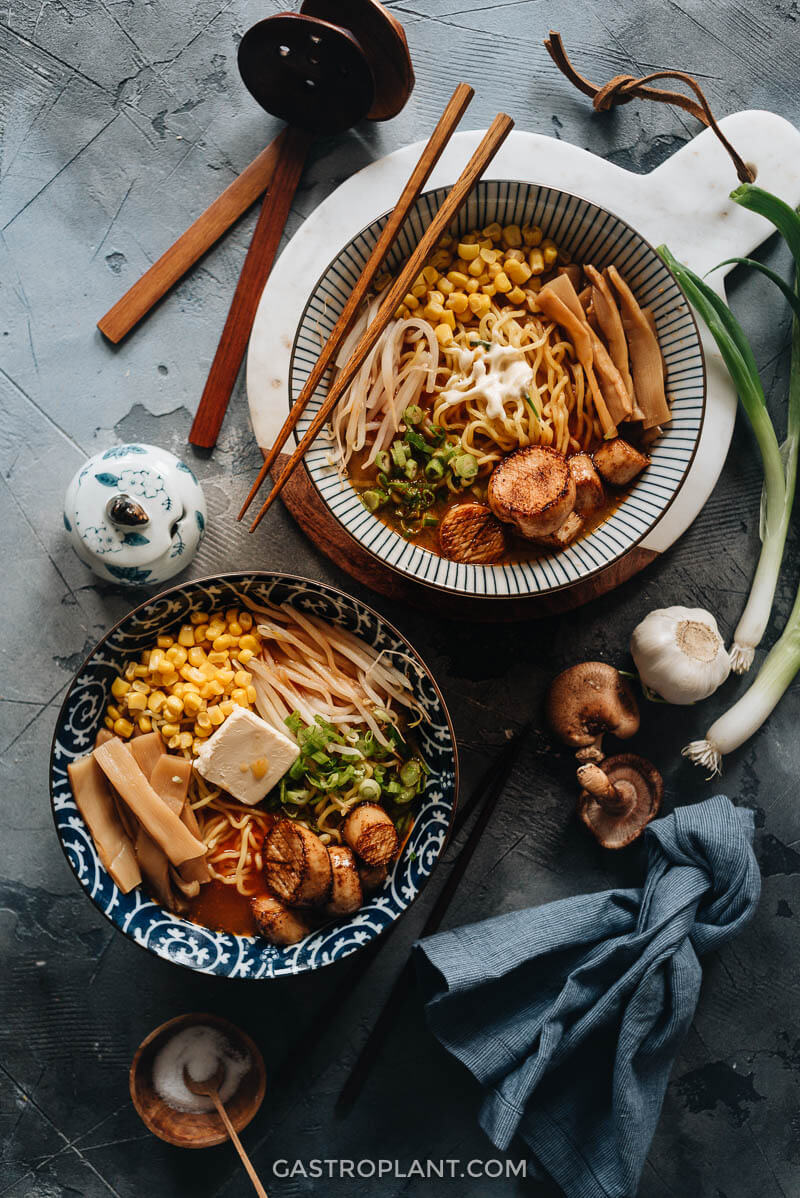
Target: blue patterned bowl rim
{"type": "Point", "coordinates": [220, 953]}
{"type": "Point", "coordinates": [610, 239]}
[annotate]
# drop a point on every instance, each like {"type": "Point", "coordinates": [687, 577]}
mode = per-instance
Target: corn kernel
{"type": "Point", "coordinates": [471, 286]}
{"type": "Point", "coordinates": [531, 234]}
{"type": "Point", "coordinates": [470, 239]}
{"type": "Point", "coordinates": [430, 275]}
{"type": "Point", "coordinates": [258, 768]}
{"type": "Point", "coordinates": [401, 312]}
{"type": "Point", "coordinates": [123, 727]}
{"type": "Point", "coordinates": [518, 272]}
{"type": "Point", "coordinates": [536, 261]}
{"type": "Point", "coordinates": [246, 620]}
{"type": "Point", "coordinates": [245, 655]}
{"type": "Point", "coordinates": [171, 678]}
{"type": "Point", "coordinates": [444, 335]}
{"type": "Point", "coordinates": [156, 658]}
{"type": "Point", "coordinates": [200, 634]}
{"type": "Point", "coordinates": [249, 642]}
{"type": "Point", "coordinates": [512, 235]}
{"type": "Point", "coordinates": [441, 260]}
{"type": "Point", "coordinates": [167, 730]}
{"type": "Point", "coordinates": [418, 290]}
{"type": "Point", "coordinates": [435, 297]}
{"type": "Point", "coordinates": [449, 318]}
{"type": "Point", "coordinates": [458, 303]}
{"type": "Point", "coordinates": [216, 627]}
{"type": "Point", "coordinates": [242, 678]}
{"type": "Point", "coordinates": [164, 667]}
{"type": "Point", "coordinates": [239, 697]}
{"type": "Point", "coordinates": [203, 721]}
{"type": "Point", "coordinates": [174, 741]}
{"type": "Point", "coordinates": [199, 617]}
{"type": "Point", "coordinates": [199, 733]}
{"type": "Point", "coordinates": [218, 657]}
{"type": "Point", "coordinates": [411, 302]}
{"type": "Point", "coordinates": [173, 707]}
{"type": "Point", "coordinates": [136, 701]}
{"type": "Point", "coordinates": [493, 272]}
{"type": "Point", "coordinates": [223, 642]}
{"type": "Point", "coordinates": [502, 282]}
{"type": "Point", "coordinates": [476, 267]}
{"type": "Point", "coordinates": [140, 671]}
{"type": "Point", "coordinates": [120, 687]}
{"type": "Point", "coordinates": [215, 715]}
{"type": "Point", "coordinates": [145, 723]}
{"type": "Point", "coordinates": [186, 635]}
{"type": "Point", "coordinates": [480, 304]}
{"type": "Point", "coordinates": [468, 252]}
{"type": "Point", "coordinates": [251, 693]}
{"type": "Point", "coordinates": [225, 677]}
{"type": "Point", "coordinates": [192, 704]}
{"type": "Point", "coordinates": [433, 313]}
{"type": "Point", "coordinates": [445, 286]}
{"type": "Point", "coordinates": [184, 740]}
{"type": "Point", "coordinates": [457, 278]}
{"type": "Point", "coordinates": [164, 641]}
{"type": "Point", "coordinates": [212, 689]}
{"type": "Point", "coordinates": [516, 296]}
{"type": "Point", "coordinates": [549, 253]}
{"type": "Point", "coordinates": [196, 656]}
{"type": "Point", "coordinates": [489, 255]}
{"type": "Point", "coordinates": [130, 671]}
{"type": "Point", "coordinates": [177, 655]}
{"type": "Point", "coordinates": [489, 289]}
{"type": "Point", "coordinates": [109, 723]}
{"type": "Point", "coordinates": [113, 711]}
{"type": "Point", "coordinates": [493, 231]}
{"type": "Point", "coordinates": [155, 701]}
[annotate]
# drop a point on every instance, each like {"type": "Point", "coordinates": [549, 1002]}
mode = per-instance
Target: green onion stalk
{"type": "Point", "coordinates": [782, 663]}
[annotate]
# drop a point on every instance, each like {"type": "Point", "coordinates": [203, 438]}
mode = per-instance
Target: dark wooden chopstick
{"type": "Point", "coordinates": [410, 194]}
{"type": "Point", "coordinates": [498, 131]}
{"type": "Point", "coordinates": [173, 264]}
{"type": "Point", "coordinates": [404, 983]}
{"type": "Point", "coordinates": [324, 1017]}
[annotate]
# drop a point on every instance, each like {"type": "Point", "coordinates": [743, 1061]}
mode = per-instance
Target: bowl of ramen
{"type": "Point", "coordinates": [531, 410]}
{"type": "Point", "coordinates": [253, 775]}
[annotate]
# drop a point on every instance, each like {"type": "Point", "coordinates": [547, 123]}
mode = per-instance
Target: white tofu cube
{"type": "Point", "coordinates": [246, 757]}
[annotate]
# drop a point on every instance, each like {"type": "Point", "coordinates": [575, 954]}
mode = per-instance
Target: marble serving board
{"type": "Point", "coordinates": [684, 203]}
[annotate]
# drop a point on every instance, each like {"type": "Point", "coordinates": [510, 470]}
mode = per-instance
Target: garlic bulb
{"type": "Point", "coordinates": [680, 654]}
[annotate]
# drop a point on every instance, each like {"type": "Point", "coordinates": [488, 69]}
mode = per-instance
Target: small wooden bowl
{"type": "Point", "coordinates": [188, 1129]}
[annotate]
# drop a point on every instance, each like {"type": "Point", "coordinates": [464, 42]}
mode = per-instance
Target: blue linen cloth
{"type": "Point", "coordinates": [571, 1014]}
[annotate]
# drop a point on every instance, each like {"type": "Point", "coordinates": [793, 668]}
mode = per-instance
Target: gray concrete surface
{"type": "Point", "coordinates": [121, 120]}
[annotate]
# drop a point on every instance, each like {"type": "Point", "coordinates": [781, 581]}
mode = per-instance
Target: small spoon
{"type": "Point", "coordinates": [209, 1088]}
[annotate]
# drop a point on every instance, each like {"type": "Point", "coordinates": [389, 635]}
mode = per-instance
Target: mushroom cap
{"type": "Point", "coordinates": [638, 782]}
{"type": "Point", "coordinates": [588, 700]}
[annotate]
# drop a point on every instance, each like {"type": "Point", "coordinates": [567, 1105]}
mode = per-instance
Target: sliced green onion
{"type": "Point", "coordinates": [369, 790]}
{"type": "Point", "coordinates": [434, 469]}
{"type": "Point", "coordinates": [531, 404]}
{"type": "Point", "coordinates": [399, 452]}
{"type": "Point", "coordinates": [413, 414]}
{"type": "Point", "coordinates": [372, 500]}
{"type": "Point", "coordinates": [465, 466]}
{"type": "Point", "coordinates": [419, 443]}
{"type": "Point", "coordinates": [429, 521]}
{"type": "Point", "coordinates": [477, 341]}
{"type": "Point", "coordinates": [411, 468]}
{"type": "Point", "coordinates": [383, 461]}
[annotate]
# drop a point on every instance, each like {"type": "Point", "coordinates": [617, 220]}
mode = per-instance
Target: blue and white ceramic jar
{"type": "Point", "coordinates": [135, 514]}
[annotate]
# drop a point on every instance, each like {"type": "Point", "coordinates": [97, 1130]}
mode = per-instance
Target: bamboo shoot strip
{"type": "Point", "coordinates": [94, 802]}
{"type": "Point", "coordinates": [170, 780]}
{"type": "Point", "coordinates": [133, 788]}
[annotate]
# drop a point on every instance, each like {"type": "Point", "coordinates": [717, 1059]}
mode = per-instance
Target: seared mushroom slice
{"type": "Point", "coordinates": [532, 489]}
{"type": "Point", "coordinates": [565, 534]}
{"type": "Point", "coordinates": [296, 864]}
{"type": "Point", "coordinates": [618, 462]}
{"type": "Point", "coordinates": [589, 493]}
{"type": "Point", "coordinates": [587, 701]}
{"type": "Point", "coordinates": [346, 892]}
{"type": "Point", "coordinates": [470, 532]}
{"type": "Point", "coordinates": [619, 798]}
{"type": "Point", "coordinates": [371, 834]}
{"type": "Point", "coordinates": [278, 923]}
{"type": "Point", "coordinates": [372, 876]}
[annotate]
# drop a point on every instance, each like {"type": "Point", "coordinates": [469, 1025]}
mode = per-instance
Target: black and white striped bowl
{"type": "Point", "coordinates": [589, 234]}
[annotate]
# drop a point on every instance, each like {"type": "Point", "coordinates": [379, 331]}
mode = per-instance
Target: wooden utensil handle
{"type": "Point", "coordinates": [237, 1143]}
{"type": "Point", "coordinates": [455, 199]}
{"type": "Point", "coordinates": [255, 272]}
{"type": "Point", "coordinates": [191, 245]}
{"type": "Point", "coordinates": [410, 194]}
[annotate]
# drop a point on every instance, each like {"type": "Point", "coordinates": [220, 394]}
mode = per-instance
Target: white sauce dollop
{"type": "Point", "coordinates": [494, 375]}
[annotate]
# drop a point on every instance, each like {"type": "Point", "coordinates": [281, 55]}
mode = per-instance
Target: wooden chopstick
{"type": "Point", "coordinates": [404, 983]}
{"type": "Point", "coordinates": [498, 131]}
{"type": "Point", "coordinates": [430, 156]}
{"type": "Point", "coordinates": [173, 264]}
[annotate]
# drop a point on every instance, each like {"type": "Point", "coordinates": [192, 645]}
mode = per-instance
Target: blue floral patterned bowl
{"type": "Point", "coordinates": [188, 944]}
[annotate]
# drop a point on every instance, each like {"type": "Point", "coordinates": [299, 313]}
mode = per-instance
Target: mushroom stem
{"type": "Point", "coordinates": [592, 752]}
{"type": "Point", "coordinates": [614, 799]}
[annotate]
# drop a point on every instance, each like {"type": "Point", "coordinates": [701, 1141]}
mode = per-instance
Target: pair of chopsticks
{"type": "Point", "coordinates": [497, 133]}
{"type": "Point", "coordinates": [488, 790]}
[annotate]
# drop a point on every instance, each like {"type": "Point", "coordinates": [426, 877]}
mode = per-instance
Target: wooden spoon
{"type": "Point", "coordinates": [209, 1088]}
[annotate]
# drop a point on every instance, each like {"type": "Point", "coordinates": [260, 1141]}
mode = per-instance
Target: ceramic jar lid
{"type": "Point", "coordinates": [135, 514]}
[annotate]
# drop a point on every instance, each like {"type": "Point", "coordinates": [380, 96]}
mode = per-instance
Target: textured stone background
{"type": "Point", "coordinates": [121, 120]}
